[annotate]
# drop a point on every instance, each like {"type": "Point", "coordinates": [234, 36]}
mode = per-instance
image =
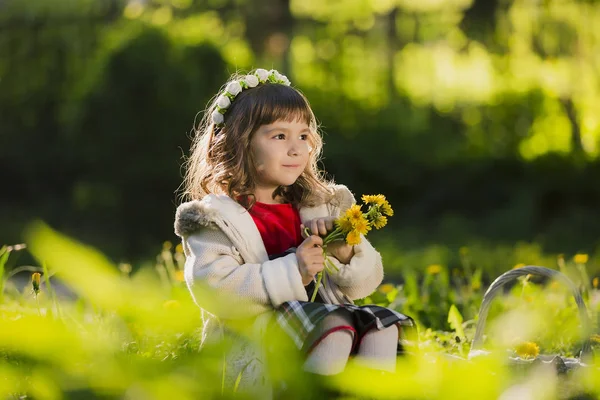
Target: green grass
{"type": "Point", "coordinates": [134, 333]}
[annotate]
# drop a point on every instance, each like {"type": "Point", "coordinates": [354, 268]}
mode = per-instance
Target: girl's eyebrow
{"type": "Point", "coordinates": [279, 128]}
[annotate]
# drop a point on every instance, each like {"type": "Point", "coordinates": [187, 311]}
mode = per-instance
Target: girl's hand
{"type": "Point", "coordinates": [310, 258]}
{"type": "Point", "coordinates": [318, 226]}
{"type": "Point", "coordinates": [339, 248]}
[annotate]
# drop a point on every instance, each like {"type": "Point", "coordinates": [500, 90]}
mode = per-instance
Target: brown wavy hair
{"type": "Point", "coordinates": [220, 159]}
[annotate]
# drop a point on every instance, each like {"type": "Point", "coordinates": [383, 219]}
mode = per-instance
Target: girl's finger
{"type": "Point", "coordinates": [314, 241]}
{"type": "Point", "coordinates": [322, 227]}
{"type": "Point", "coordinates": [315, 253]}
{"type": "Point", "coordinates": [329, 224]}
{"type": "Point", "coordinates": [314, 226]}
{"type": "Point", "coordinates": [302, 232]}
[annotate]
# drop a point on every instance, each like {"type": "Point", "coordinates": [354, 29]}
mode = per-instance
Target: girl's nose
{"type": "Point", "coordinates": [296, 148]}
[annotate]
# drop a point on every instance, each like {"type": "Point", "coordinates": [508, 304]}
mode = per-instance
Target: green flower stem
{"type": "Point", "coordinates": [314, 295]}
{"type": "Point", "coordinates": [371, 212]}
{"type": "Point", "coordinates": [331, 237]}
{"type": "Point", "coordinates": [329, 264]}
{"type": "Point", "coordinates": [330, 268]}
{"type": "Point", "coordinates": [37, 301]}
{"type": "Point", "coordinates": [336, 234]}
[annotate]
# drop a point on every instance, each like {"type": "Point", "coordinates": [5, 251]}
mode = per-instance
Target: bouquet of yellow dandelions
{"type": "Point", "coordinates": [353, 223]}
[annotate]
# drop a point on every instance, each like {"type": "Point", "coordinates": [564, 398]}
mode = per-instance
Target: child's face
{"type": "Point", "coordinates": [280, 151]}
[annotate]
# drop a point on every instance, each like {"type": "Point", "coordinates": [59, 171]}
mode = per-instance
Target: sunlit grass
{"type": "Point", "coordinates": [128, 332]}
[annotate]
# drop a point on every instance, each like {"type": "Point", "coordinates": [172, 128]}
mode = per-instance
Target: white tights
{"type": "Point", "coordinates": [377, 349]}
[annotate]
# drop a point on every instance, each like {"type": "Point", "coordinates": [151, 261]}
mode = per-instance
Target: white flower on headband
{"type": "Point", "coordinates": [223, 101]}
{"type": "Point", "coordinates": [278, 78]}
{"type": "Point", "coordinates": [251, 80]}
{"type": "Point", "coordinates": [217, 117]}
{"type": "Point", "coordinates": [234, 88]}
{"type": "Point", "coordinates": [284, 80]}
{"type": "Point", "coordinates": [262, 74]}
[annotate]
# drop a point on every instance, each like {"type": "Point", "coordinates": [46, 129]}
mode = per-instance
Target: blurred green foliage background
{"type": "Point", "coordinates": [477, 118]}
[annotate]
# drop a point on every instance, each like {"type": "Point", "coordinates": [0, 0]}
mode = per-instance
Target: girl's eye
{"type": "Point", "coordinates": [304, 137]}
{"type": "Point", "coordinates": [280, 136]}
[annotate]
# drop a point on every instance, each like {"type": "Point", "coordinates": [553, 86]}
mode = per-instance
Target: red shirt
{"type": "Point", "coordinates": [279, 226]}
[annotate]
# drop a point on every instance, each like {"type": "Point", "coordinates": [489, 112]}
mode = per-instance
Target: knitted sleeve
{"type": "Point", "coordinates": [212, 259]}
{"type": "Point", "coordinates": [364, 273]}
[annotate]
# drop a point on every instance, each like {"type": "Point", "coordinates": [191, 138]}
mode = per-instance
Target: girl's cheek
{"type": "Point", "coordinates": [259, 165]}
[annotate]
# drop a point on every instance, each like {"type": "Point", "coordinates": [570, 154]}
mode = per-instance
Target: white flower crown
{"type": "Point", "coordinates": [235, 87]}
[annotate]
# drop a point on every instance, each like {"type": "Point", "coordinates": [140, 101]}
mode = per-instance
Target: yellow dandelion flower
{"type": "Point", "coordinates": [362, 226]}
{"type": "Point", "coordinates": [387, 209]}
{"type": "Point", "coordinates": [354, 214]}
{"type": "Point", "coordinates": [379, 222]}
{"type": "Point", "coordinates": [386, 288]}
{"type": "Point", "coordinates": [519, 265]}
{"type": "Point", "coordinates": [35, 282]}
{"type": "Point", "coordinates": [595, 283]}
{"type": "Point", "coordinates": [376, 199]}
{"type": "Point", "coordinates": [581, 258]}
{"type": "Point", "coordinates": [434, 269]}
{"type": "Point", "coordinates": [527, 350]}
{"type": "Point", "coordinates": [353, 238]}
{"type": "Point", "coordinates": [171, 305]}
{"type": "Point", "coordinates": [344, 224]}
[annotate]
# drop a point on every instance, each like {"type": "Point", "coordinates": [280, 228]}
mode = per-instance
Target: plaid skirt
{"type": "Point", "coordinates": [298, 319]}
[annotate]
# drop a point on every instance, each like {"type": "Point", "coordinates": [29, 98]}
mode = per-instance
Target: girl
{"type": "Point", "coordinates": [253, 182]}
